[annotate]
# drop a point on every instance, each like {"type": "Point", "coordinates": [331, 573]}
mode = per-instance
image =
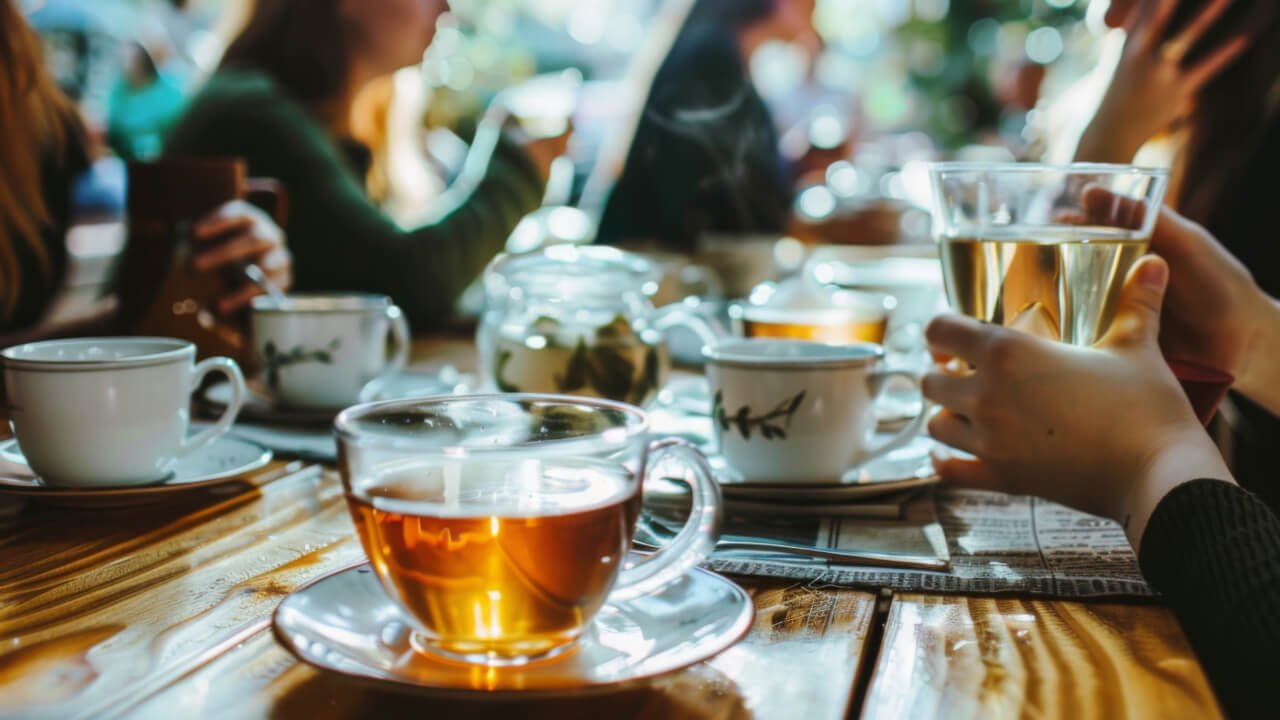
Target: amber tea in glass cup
{"type": "Point", "coordinates": [849, 324]}
{"type": "Point", "coordinates": [500, 524]}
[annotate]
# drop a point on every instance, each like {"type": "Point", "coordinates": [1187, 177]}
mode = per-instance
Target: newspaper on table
{"type": "Point", "coordinates": [996, 544]}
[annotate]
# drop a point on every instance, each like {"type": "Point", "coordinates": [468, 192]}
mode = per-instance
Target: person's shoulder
{"type": "Point", "coordinates": [230, 84]}
{"type": "Point", "coordinates": [230, 90]}
{"type": "Point", "coordinates": [235, 101]}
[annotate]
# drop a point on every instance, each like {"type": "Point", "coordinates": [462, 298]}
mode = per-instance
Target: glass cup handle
{"type": "Point", "coordinates": [696, 539]}
{"type": "Point", "coordinates": [879, 381]}
{"type": "Point", "coordinates": [682, 315]}
{"type": "Point", "coordinates": [228, 368]}
{"type": "Point", "coordinates": [399, 355]}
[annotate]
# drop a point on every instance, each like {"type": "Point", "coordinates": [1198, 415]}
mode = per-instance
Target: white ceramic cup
{"type": "Point", "coordinates": [799, 411]}
{"type": "Point", "coordinates": [98, 412]}
{"type": "Point", "coordinates": [328, 350]}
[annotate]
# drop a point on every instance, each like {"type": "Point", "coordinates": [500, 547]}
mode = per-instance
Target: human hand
{"type": "Point", "coordinates": [238, 233]}
{"type": "Point", "coordinates": [542, 150]}
{"type": "Point", "coordinates": [1214, 312]}
{"type": "Point", "coordinates": [1155, 83]}
{"type": "Point", "coordinates": [1105, 429]}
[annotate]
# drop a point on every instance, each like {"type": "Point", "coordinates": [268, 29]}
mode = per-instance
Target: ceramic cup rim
{"type": "Point", "coordinates": [321, 303]}
{"type": "Point", "coordinates": [793, 354]}
{"type": "Point", "coordinates": [165, 351]}
{"type": "Point", "coordinates": [636, 427]}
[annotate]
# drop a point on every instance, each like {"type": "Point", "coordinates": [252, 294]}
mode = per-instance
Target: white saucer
{"type": "Point", "coordinates": [346, 624]}
{"type": "Point", "coordinates": [227, 459]}
{"type": "Point", "coordinates": [260, 407]}
{"type": "Point", "coordinates": [905, 468]}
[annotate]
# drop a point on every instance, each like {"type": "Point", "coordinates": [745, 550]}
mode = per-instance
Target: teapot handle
{"type": "Point", "coordinates": [684, 314]}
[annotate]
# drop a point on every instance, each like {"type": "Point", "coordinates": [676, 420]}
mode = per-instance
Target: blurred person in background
{"type": "Point", "coordinates": [282, 100]}
{"type": "Point", "coordinates": [705, 156]}
{"type": "Point", "coordinates": [1198, 84]}
{"type": "Point", "coordinates": [42, 150]}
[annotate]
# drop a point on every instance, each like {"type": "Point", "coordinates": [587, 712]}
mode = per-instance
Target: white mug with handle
{"type": "Point", "coordinates": [797, 411]}
{"type": "Point", "coordinates": [110, 412]}
{"type": "Point", "coordinates": [328, 350]}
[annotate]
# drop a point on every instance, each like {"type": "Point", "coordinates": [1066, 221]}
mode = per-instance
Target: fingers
{"type": "Point", "coordinates": [956, 392]}
{"type": "Point", "coordinates": [1137, 316]}
{"type": "Point", "coordinates": [278, 267]}
{"type": "Point", "coordinates": [957, 336]}
{"type": "Point", "coordinates": [1101, 206]}
{"type": "Point", "coordinates": [966, 473]}
{"type": "Point", "coordinates": [952, 429]}
{"type": "Point", "coordinates": [1177, 239]}
{"type": "Point", "coordinates": [235, 217]}
{"type": "Point", "coordinates": [1147, 26]}
{"type": "Point", "coordinates": [1200, 24]}
{"type": "Point", "coordinates": [1217, 61]}
{"type": "Point", "coordinates": [238, 298]}
{"type": "Point", "coordinates": [242, 248]}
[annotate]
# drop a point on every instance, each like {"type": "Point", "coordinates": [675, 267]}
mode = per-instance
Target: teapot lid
{"type": "Point", "coordinates": [804, 293]}
{"type": "Point", "coordinates": [574, 269]}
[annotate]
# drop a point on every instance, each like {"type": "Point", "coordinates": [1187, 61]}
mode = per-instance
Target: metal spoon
{"type": "Point", "coordinates": [259, 278]}
{"type": "Point", "coordinates": [652, 535]}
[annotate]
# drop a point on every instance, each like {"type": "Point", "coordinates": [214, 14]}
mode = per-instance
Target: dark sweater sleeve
{"type": "Point", "coordinates": [1213, 551]}
{"type": "Point", "coordinates": [341, 241]}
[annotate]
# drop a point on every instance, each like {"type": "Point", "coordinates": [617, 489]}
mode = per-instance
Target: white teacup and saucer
{"type": "Point", "coordinates": [97, 416]}
{"type": "Point", "coordinates": [322, 352]}
{"type": "Point", "coordinates": [796, 419]}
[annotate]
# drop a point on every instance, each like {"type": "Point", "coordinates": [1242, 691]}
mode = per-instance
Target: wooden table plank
{"type": "Point", "coordinates": [799, 660]}
{"type": "Point", "coordinates": [100, 609]}
{"type": "Point", "coordinates": [962, 657]}
{"type": "Point", "coordinates": [149, 610]}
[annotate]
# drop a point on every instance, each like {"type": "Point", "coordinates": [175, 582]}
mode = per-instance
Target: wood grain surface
{"type": "Point", "coordinates": [163, 612]}
{"type": "Point", "coordinates": [962, 657]}
{"type": "Point", "coordinates": [152, 611]}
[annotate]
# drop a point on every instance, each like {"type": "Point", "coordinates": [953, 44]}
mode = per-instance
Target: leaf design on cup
{"type": "Point", "coordinates": [773, 424]}
{"type": "Point", "coordinates": [274, 361]}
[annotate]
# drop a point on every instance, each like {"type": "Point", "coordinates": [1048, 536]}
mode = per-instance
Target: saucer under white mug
{"type": "Point", "coordinates": [904, 468]}
{"type": "Point", "coordinates": [111, 411]}
{"type": "Point", "coordinates": [259, 406]}
{"type": "Point", "coordinates": [227, 459]}
{"type": "Point", "coordinates": [346, 624]}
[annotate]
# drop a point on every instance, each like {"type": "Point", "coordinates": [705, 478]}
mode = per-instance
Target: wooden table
{"type": "Point", "coordinates": [164, 612]}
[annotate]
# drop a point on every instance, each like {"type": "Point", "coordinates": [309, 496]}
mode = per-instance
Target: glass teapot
{"type": "Point", "coordinates": [580, 321]}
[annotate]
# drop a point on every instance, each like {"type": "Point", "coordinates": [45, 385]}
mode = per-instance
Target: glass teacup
{"type": "Point", "coordinates": [1042, 248]}
{"type": "Point", "coordinates": [501, 524]}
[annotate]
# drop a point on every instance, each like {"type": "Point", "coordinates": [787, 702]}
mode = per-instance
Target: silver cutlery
{"type": "Point", "coordinates": [651, 535]}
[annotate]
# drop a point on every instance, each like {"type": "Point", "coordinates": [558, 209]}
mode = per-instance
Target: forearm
{"type": "Point", "coordinates": [1213, 551]}
{"type": "Point", "coordinates": [1259, 375]}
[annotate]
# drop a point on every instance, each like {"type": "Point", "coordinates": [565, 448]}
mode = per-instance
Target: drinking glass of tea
{"type": "Point", "coordinates": [501, 524]}
{"type": "Point", "coordinates": [1042, 248]}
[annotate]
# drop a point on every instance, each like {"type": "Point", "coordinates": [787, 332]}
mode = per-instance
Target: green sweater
{"type": "Point", "coordinates": [340, 240]}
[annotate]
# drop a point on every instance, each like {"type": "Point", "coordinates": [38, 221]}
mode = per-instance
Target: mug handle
{"type": "Point", "coordinates": [696, 539]}
{"type": "Point", "coordinates": [228, 368]}
{"type": "Point", "coordinates": [879, 381]}
{"type": "Point", "coordinates": [399, 356]}
{"type": "Point", "coordinates": [681, 314]}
